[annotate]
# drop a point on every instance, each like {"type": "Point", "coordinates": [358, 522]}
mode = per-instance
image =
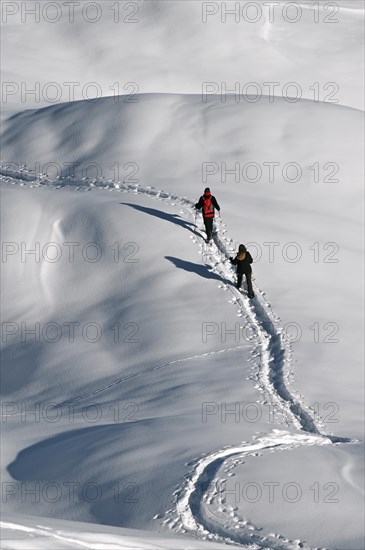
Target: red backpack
{"type": "Point", "coordinates": [208, 208]}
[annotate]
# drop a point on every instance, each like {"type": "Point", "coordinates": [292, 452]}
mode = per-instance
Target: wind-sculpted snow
{"type": "Point", "coordinates": [273, 362]}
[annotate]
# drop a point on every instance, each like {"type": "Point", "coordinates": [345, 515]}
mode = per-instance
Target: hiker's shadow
{"type": "Point", "coordinates": [200, 270]}
{"type": "Point", "coordinates": [173, 218]}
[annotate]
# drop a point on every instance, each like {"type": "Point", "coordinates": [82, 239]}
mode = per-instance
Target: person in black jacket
{"type": "Point", "coordinates": [243, 261]}
{"type": "Point", "coordinates": [208, 203]}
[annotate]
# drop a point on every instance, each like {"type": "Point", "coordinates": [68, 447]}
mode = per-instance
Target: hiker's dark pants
{"type": "Point", "coordinates": [208, 222]}
{"type": "Point", "coordinates": [248, 281]}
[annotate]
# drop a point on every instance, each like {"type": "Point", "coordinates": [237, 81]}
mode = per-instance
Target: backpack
{"type": "Point", "coordinates": [208, 208]}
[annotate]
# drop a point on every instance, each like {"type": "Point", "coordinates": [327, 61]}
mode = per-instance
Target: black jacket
{"type": "Point", "coordinates": [200, 204]}
{"type": "Point", "coordinates": [243, 266]}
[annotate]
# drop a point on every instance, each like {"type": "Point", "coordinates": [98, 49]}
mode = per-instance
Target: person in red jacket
{"type": "Point", "coordinates": [243, 261]}
{"type": "Point", "coordinates": [208, 203]}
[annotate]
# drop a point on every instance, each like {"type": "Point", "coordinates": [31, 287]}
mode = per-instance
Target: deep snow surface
{"type": "Point", "coordinates": [121, 412]}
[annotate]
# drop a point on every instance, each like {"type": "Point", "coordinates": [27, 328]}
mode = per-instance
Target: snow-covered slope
{"type": "Point", "coordinates": [323, 219]}
{"type": "Point", "coordinates": [155, 398]}
{"type": "Point", "coordinates": [139, 389]}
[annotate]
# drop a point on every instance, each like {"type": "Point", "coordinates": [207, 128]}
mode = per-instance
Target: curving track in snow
{"type": "Point", "coordinates": [273, 355]}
